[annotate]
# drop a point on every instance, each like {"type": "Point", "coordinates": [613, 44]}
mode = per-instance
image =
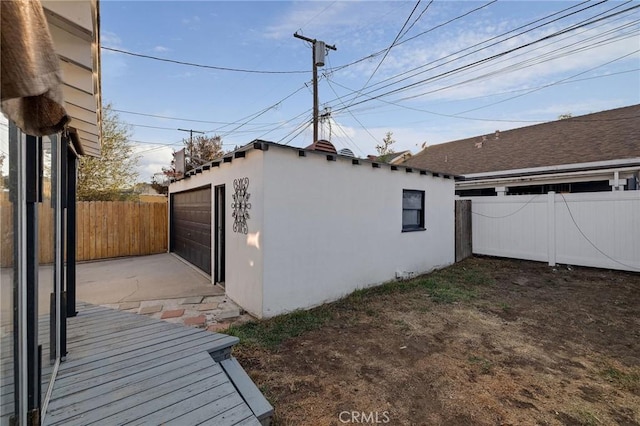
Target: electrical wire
{"type": "Point", "coordinates": [369, 110]}
{"type": "Point", "coordinates": [380, 52]}
{"type": "Point", "coordinates": [486, 59]}
{"type": "Point", "coordinates": [176, 118]}
{"type": "Point", "coordinates": [151, 127]}
{"type": "Point", "coordinates": [551, 84]}
{"type": "Point", "coordinates": [417, 19]}
{"type": "Point", "coordinates": [350, 113]}
{"type": "Point", "coordinates": [304, 126]}
{"type": "Point", "coordinates": [525, 64]}
{"type": "Point", "coordinates": [488, 119]}
{"type": "Point", "coordinates": [191, 64]}
{"type": "Point", "coordinates": [481, 47]}
{"type": "Point", "coordinates": [353, 143]}
{"type": "Point", "coordinates": [393, 43]}
{"type": "Point", "coordinates": [481, 44]}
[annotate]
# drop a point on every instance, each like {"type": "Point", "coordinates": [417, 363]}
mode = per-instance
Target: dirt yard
{"type": "Point", "coordinates": [485, 342]}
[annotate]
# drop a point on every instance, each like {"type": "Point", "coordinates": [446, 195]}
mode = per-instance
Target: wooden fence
{"type": "Point", "coordinates": [104, 229]}
{"type": "Point", "coordinates": [463, 229]}
{"type": "Point", "coordinates": [120, 228]}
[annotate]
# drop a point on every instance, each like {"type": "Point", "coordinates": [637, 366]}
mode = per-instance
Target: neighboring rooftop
{"type": "Point", "coordinates": [601, 136]}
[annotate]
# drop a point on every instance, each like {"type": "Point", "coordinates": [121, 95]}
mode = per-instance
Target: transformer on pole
{"type": "Point", "coordinates": [318, 50]}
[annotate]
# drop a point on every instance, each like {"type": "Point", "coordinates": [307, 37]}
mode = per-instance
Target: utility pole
{"type": "Point", "coordinates": [318, 51]}
{"type": "Point", "coordinates": [191, 132]}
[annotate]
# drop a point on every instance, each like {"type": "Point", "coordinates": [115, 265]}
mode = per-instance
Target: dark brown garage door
{"type": "Point", "coordinates": [191, 226]}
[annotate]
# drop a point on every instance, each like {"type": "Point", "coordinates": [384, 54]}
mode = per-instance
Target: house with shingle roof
{"type": "Point", "coordinates": [588, 153]}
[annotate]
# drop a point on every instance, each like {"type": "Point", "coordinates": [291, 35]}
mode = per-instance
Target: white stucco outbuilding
{"type": "Point", "coordinates": [286, 228]}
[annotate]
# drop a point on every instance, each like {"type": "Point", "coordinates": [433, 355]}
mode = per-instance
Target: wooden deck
{"type": "Point", "coordinates": [124, 368]}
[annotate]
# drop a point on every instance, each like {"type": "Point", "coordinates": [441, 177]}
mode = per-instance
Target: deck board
{"type": "Point", "coordinates": [123, 368]}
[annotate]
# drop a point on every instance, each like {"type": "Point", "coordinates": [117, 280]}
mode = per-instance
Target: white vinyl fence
{"type": "Point", "coordinates": [599, 229]}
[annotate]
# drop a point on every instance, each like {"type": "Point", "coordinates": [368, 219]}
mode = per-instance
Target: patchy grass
{"type": "Point", "coordinates": [450, 285]}
{"type": "Point", "coordinates": [522, 344]}
{"type": "Point", "coordinates": [628, 381]}
{"type": "Point", "coordinates": [271, 333]}
{"type": "Point", "coordinates": [505, 307]}
{"type": "Point", "coordinates": [588, 419]}
{"type": "Point", "coordinates": [484, 364]}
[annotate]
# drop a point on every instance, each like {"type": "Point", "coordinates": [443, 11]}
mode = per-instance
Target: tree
{"type": "Point", "coordinates": [202, 150]}
{"type": "Point", "coordinates": [197, 152]}
{"type": "Point", "coordinates": [385, 149]}
{"type": "Point", "coordinates": [160, 183]}
{"type": "Point", "coordinates": [111, 175]}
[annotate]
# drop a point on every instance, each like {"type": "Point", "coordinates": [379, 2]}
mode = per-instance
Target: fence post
{"type": "Point", "coordinates": [551, 228]}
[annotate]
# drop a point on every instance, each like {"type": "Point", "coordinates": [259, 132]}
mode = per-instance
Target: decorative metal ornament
{"type": "Point", "coordinates": [241, 205]}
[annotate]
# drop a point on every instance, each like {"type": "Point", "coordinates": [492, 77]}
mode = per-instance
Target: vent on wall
{"type": "Point", "coordinates": [346, 152]}
{"type": "Point", "coordinates": [322, 145]}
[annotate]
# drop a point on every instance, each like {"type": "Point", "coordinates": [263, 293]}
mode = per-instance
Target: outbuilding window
{"type": "Point", "coordinates": [412, 210]}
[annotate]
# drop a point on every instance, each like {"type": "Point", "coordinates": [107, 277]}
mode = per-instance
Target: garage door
{"type": "Point", "coordinates": [191, 226]}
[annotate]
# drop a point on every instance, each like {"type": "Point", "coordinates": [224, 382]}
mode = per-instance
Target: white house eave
{"type": "Point", "coordinates": [75, 32]}
{"type": "Point", "coordinates": [551, 169]}
{"type": "Point", "coordinates": [551, 178]}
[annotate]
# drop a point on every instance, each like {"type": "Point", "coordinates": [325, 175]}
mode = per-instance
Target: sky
{"type": "Point", "coordinates": [429, 72]}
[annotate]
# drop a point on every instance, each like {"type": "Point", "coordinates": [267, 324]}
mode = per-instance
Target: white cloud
{"type": "Point", "coordinates": [350, 24]}
{"type": "Point", "coordinates": [152, 159]}
{"type": "Point", "coordinates": [186, 74]}
{"type": "Point", "coordinates": [110, 39]}
{"type": "Point", "coordinates": [538, 65]}
{"type": "Point", "coordinates": [161, 49]}
{"type": "Point", "coordinates": [191, 21]}
{"type": "Point", "coordinates": [114, 64]}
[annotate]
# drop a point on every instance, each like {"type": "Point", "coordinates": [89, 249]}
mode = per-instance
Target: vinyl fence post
{"type": "Point", "coordinates": [551, 228]}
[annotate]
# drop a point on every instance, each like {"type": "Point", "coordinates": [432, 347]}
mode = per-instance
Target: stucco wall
{"type": "Point", "coordinates": [320, 229]}
{"type": "Point", "coordinates": [332, 227]}
{"type": "Point", "coordinates": [244, 254]}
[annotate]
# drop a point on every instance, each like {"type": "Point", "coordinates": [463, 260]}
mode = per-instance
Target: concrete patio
{"type": "Point", "coordinates": [160, 286]}
{"type": "Point", "coordinates": [135, 279]}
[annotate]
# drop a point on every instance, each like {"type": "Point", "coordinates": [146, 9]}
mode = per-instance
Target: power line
{"type": "Point", "coordinates": [259, 113]}
{"type": "Point", "coordinates": [479, 48]}
{"type": "Point", "coordinates": [373, 55]}
{"type": "Point", "coordinates": [306, 112]}
{"type": "Point", "coordinates": [528, 63]}
{"type": "Point", "coordinates": [177, 118]}
{"type": "Point", "coordinates": [362, 111]}
{"type": "Point", "coordinates": [353, 143]}
{"type": "Point", "coordinates": [350, 113]}
{"type": "Point", "coordinates": [550, 84]}
{"type": "Point", "coordinates": [303, 126]}
{"type": "Point", "coordinates": [490, 58]}
{"type": "Point", "coordinates": [417, 19]}
{"type": "Point", "coordinates": [191, 64]}
{"type": "Point", "coordinates": [152, 127]}
{"type": "Point", "coordinates": [486, 119]}
{"type": "Point", "coordinates": [393, 43]}
{"type": "Point", "coordinates": [247, 120]}
{"type": "Point", "coordinates": [483, 47]}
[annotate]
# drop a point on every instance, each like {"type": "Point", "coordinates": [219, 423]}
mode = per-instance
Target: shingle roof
{"type": "Point", "coordinates": [606, 135]}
